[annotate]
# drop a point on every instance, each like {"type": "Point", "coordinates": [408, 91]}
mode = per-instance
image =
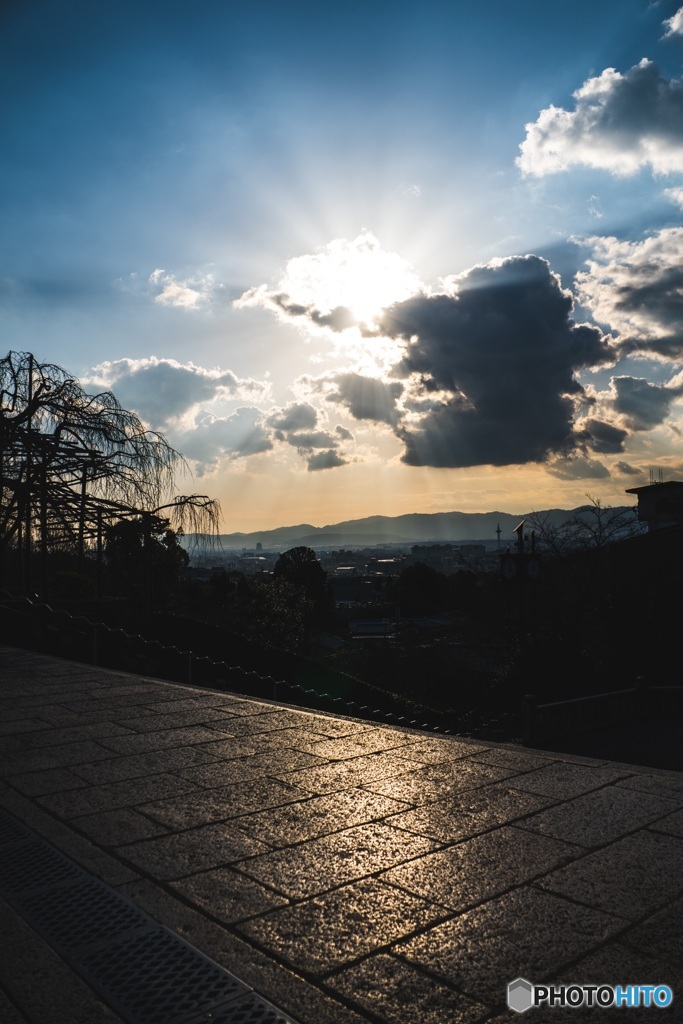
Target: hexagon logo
{"type": "Point", "coordinates": [520, 995]}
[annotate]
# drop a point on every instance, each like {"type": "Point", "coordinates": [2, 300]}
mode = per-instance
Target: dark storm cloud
{"type": "Point", "coordinates": [325, 460]}
{"type": "Point", "coordinates": [338, 319]}
{"type": "Point", "coordinates": [497, 359]}
{"type": "Point", "coordinates": [578, 468]}
{"type": "Point", "coordinates": [603, 437]}
{"type": "Point", "coordinates": [627, 469]}
{"type": "Point", "coordinates": [297, 416]}
{"type": "Point", "coordinates": [367, 398]}
{"type": "Point", "coordinates": [641, 404]}
{"type": "Point", "coordinates": [343, 433]}
{"type": "Point", "coordinates": [312, 439]}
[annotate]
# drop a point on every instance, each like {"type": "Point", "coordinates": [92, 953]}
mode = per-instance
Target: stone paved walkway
{"type": "Point", "coordinates": [346, 871]}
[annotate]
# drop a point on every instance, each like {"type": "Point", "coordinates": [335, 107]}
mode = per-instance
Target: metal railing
{"type": "Point", "coordinates": [542, 723]}
{"type": "Point", "coordinates": [39, 627]}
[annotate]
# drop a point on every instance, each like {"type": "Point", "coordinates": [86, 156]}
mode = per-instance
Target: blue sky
{"type": "Point", "coordinates": [370, 259]}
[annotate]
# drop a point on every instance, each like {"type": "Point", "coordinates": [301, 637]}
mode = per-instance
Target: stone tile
{"type": "Point", "coordinates": [525, 933]}
{"type": "Point", "coordinates": [434, 750]}
{"type": "Point", "coordinates": [230, 748]}
{"type": "Point", "coordinates": [249, 725]}
{"type": "Point", "coordinates": [287, 739]}
{"type": "Point", "coordinates": [615, 964]}
{"type": "Point", "coordinates": [254, 766]}
{"type": "Point", "coordinates": [672, 823]}
{"type": "Point", "coordinates": [135, 765]}
{"type": "Point", "coordinates": [331, 726]}
{"type": "Point", "coordinates": [563, 780]}
{"type": "Point", "coordinates": [518, 758]}
{"type": "Point", "coordinates": [71, 734]}
{"type": "Point", "coordinates": [116, 794]}
{"type": "Point", "coordinates": [631, 877]}
{"type": "Point", "coordinates": [113, 828]}
{"type": "Point", "coordinates": [669, 784]}
{"type": "Point", "coordinates": [331, 929]}
{"type": "Point", "coordinates": [245, 708]}
{"type": "Point", "coordinates": [438, 782]}
{"type": "Point", "coordinates": [151, 722]}
{"type": "Point", "coordinates": [186, 853]}
{"type": "Point", "coordinates": [599, 817]}
{"type": "Point", "coordinates": [317, 816]}
{"type": "Point", "coordinates": [70, 754]}
{"type": "Point", "coordinates": [469, 813]}
{"type": "Point", "coordinates": [206, 805]}
{"type": "Point", "coordinates": [228, 895]}
{"type": "Point", "coordinates": [357, 771]}
{"type": "Point", "coordinates": [41, 783]}
{"type": "Point", "coordinates": [371, 741]}
{"type": "Point", "coordinates": [18, 725]}
{"type": "Point", "coordinates": [397, 993]}
{"type": "Point", "coordinates": [470, 872]}
{"type": "Point", "coordinates": [181, 737]}
{"type": "Point", "coordinates": [660, 935]}
{"type": "Point", "coordinates": [320, 864]}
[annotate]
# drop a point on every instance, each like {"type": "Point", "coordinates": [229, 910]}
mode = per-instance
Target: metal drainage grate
{"type": "Point", "coordinates": [244, 1011]}
{"type": "Point", "coordinates": [82, 916]}
{"type": "Point", "coordinates": [144, 971]}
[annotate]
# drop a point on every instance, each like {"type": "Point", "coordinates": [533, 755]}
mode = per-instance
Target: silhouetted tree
{"type": "Point", "coordinates": [145, 558]}
{"type": "Point", "coordinates": [300, 566]}
{"type": "Point", "coordinates": [589, 527]}
{"type": "Point", "coordinates": [73, 463]}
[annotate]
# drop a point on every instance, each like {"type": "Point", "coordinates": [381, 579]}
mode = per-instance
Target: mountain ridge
{"type": "Point", "coordinates": [408, 528]}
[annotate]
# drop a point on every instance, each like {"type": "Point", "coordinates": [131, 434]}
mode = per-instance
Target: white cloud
{"type": "Point", "coordinates": [620, 123]}
{"type": "Point", "coordinates": [674, 26]}
{"type": "Point", "coordinates": [161, 390]}
{"type": "Point", "coordinates": [214, 439]}
{"type": "Point", "coordinates": [192, 294]}
{"type": "Point", "coordinates": [636, 288]}
{"type": "Point", "coordinates": [675, 195]}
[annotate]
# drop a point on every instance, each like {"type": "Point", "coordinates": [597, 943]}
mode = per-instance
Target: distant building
{"type": "Point", "coordinates": [660, 504]}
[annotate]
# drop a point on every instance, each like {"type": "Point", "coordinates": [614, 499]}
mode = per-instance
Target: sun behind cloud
{"type": "Point", "coordinates": [345, 285]}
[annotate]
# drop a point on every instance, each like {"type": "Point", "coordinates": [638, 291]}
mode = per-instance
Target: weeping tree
{"type": "Point", "coordinates": [72, 464]}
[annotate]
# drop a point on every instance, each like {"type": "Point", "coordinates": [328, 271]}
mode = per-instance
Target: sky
{"type": "Point", "coordinates": [371, 259]}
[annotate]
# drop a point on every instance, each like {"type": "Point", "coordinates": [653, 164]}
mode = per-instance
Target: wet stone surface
{"type": "Point", "coordinates": [469, 813]}
{"type": "Point", "coordinates": [632, 876]}
{"type": "Point", "coordinates": [402, 994]}
{"type": "Point", "coordinates": [228, 895]}
{"type": "Point", "coordinates": [331, 929]}
{"type": "Point", "coordinates": [351, 872]}
{"type": "Point", "coordinates": [463, 875]}
{"type": "Point", "coordinates": [601, 816]}
{"type": "Point", "coordinates": [316, 816]}
{"type": "Point", "coordinates": [526, 933]}
{"type": "Point", "coordinates": [321, 864]}
{"type": "Point", "coordinates": [186, 853]}
{"type": "Point", "coordinates": [201, 806]}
